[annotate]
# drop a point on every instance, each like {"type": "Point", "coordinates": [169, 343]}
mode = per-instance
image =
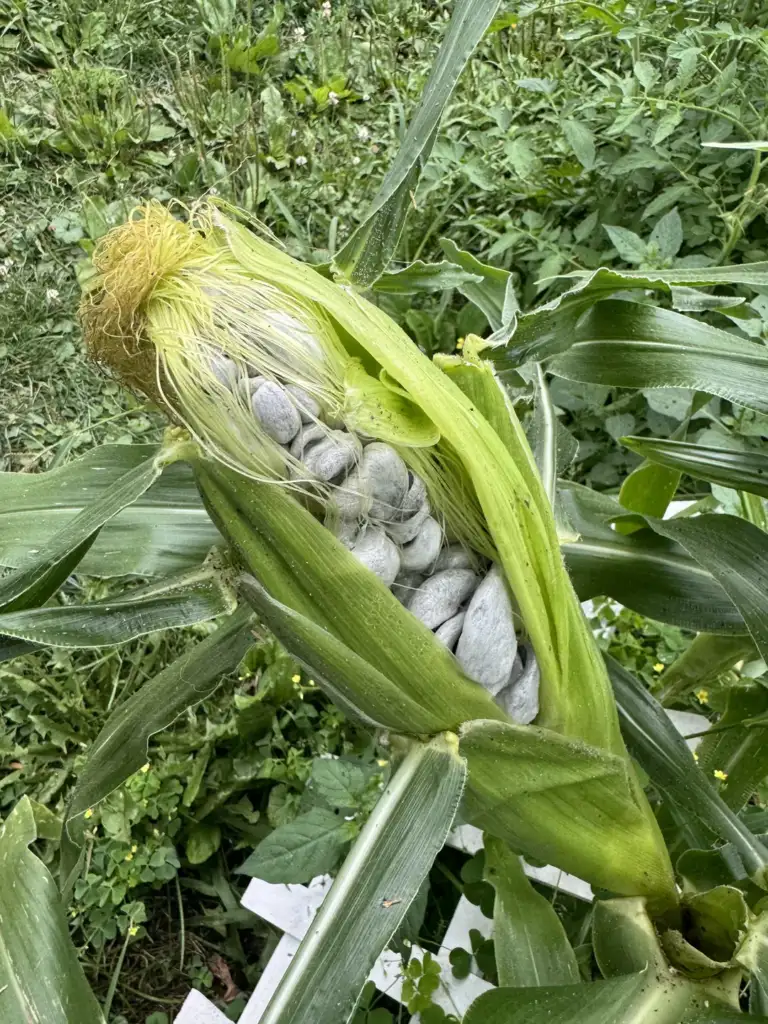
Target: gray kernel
{"type": "Point", "coordinates": [420, 554]}
{"type": "Point", "coordinates": [224, 369]}
{"type": "Point", "coordinates": [306, 437]}
{"type": "Point", "coordinates": [454, 557]}
{"type": "Point", "coordinates": [309, 407]}
{"type": "Point", "coordinates": [488, 643]}
{"type": "Point", "coordinates": [450, 631]}
{"type": "Point", "coordinates": [405, 532]}
{"type": "Point", "coordinates": [415, 497]}
{"type": "Point", "coordinates": [440, 597]}
{"type": "Point", "coordinates": [406, 585]}
{"type": "Point", "coordinates": [376, 551]}
{"type": "Point", "coordinates": [520, 697]}
{"type": "Point", "coordinates": [333, 456]}
{"type": "Point", "coordinates": [276, 412]}
{"type": "Point", "coordinates": [385, 477]}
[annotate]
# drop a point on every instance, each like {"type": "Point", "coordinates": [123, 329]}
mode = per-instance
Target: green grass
{"type": "Point", "coordinates": [566, 122]}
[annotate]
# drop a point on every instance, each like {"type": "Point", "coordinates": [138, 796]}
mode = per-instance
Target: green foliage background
{"type": "Point", "coordinates": [578, 137]}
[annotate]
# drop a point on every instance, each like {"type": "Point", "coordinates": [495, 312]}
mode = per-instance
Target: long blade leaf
{"type": "Point", "coordinates": [531, 946]}
{"type": "Point", "coordinates": [120, 748]}
{"type": "Point", "coordinates": [744, 471]}
{"type": "Point", "coordinates": [366, 254]}
{"type": "Point", "coordinates": [663, 753]}
{"type": "Point", "coordinates": [371, 894]}
{"type": "Point", "coordinates": [629, 344]}
{"type": "Point", "coordinates": [40, 976]}
{"type": "Point", "coordinates": [171, 604]}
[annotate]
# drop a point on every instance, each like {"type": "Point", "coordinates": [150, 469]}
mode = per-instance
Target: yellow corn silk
{"type": "Point", "coordinates": [185, 311]}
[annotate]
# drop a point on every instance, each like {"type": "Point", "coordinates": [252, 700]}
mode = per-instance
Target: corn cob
{"type": "Point", "coordinates": [421, 472]}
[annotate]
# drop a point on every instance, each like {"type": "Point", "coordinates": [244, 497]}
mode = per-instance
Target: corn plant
{"type": "Point", "coordinates": [387, 518]}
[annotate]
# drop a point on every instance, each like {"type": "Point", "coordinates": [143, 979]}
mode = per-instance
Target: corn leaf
{"type": "Point", "coordinates": [628, 344]}
{"type": "Point", "coordinates": [643, 571]}
{"type": "Point", "coordinates": [164, 530]}
{"type": "Point", "coordinates": [530, 943]}
{"type": "Point", "coordinates": [351, 682]}
{"type": "Point", "coordinates": [120, 749]}
{"type": "Point", "coordinates": [549, 329]}
{"type": "Point", "coordinates": [662, 752]}
{"type": "Point", "coordinates": [374, 888]}
{"type": "Point", "coordinates": [743, 471]}
{"type": "Point", "coordinates": [425, 277]}
{"type": "Point", "coordinates": [41, 574]}
{"type": "Point", "coordinates": [565, 803]}
{"type": "Point", "coordinates": [736, 553]}
{"type": "Point", "coordinates": [11, 648]}
{"type": "Point", "coordinates": [170, 604]}
{"type": "Point", "coordinates": [366, 254]}
{"type": "Point", "coordinates": [40, 976]}
{"type": "Point", "coordinates": [492, 289]}
{"type": "Point", "coordinates": [635, 999]}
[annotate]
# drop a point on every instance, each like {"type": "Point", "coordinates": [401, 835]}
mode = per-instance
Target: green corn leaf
{"type": "Point", "coordinates": [628, 344]}
{"type": "Point", "coordinates": [120, 749]}
{"type": "Point", "coordinates": [743, 471]}
{"type": "Point", "coordinates": [522, 788]}
{"type": "Point", "coordinates": [366, 254]}
{"type": "Point", "coordinates": [351, 681]}
{"type": "Point", "coordinates": [41, 574]}
{"type": "Point", "coordinates": [651, 575]}
{"type": "Point", "coordinates": [739, 751]}
{"type": "Point", "coordinates": [11, 648]}
{"type": "Point", "coordinates": [164, 530]}
{"type": "Point", "coordinates": [662, 752]}
{"type": "Point", "coordinates": [635, 999]}
{"type": "Point", "coordinates": [425, 277]}
{"type": "Point", "coordinates": [706, 657]}
{"type": "Point", "coordinates": [530, 943]}
{"type": "Point", "coordinates": [624, 939]}
{"type": "Point", "coordinates": [549, 329]}
{"type": "Point", "coordinates": [492, 291]}
{"type": "Point", "coordinates": [173, 603]}
{"type": "Point", "coordinates": [359, 611]}
{"type": "Point", "coordinates": [736, 553]}
{"type": "Point", "coordinates": [371, 894]}
{"type": "Point", "coordinates": [40, 976]}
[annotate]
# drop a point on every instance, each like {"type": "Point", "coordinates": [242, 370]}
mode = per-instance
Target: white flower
{"type": "Point", "coordinates": [213, 191]}
{"type": "Point", "coordinates": [333, 99]}
{"type": "Point", "coordinates": [51, 294]}
{"type": "Point", "coordinates": [294, 133]}
{"type": "Point", "coordinates": [355, 160]}
{"type": "Point", "coordinates": [299, 34]}
{"type": "Point", "coordinates": [300, 161]}
{"type": "Point", "coordinates": [325, 10]}
{"type": "Point", "coordinates": [363, 133]}
{"type": "Point", "coordinates": [366, 96]}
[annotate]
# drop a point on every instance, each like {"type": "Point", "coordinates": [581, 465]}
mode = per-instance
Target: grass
{"type": "Point", "coordinates": [560, 128]}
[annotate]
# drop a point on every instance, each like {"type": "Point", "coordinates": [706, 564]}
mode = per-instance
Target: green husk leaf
{"type": "Point", "coordinates": [120, 749]}
{"type": "Point", "coordinates": [565, 803]}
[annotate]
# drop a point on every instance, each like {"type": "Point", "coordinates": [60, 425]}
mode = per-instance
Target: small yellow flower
{"type": "Point", "coordinates": [296, 678]}
{"type": "Point", "coordinates": [702, 696]}
{"type": "Point", "coordinates": [134, 848]}
{"type": "Point", "coordinates": [129, 856]}
{"type": "Point", "coordinates": [134, 930]}
{"type": "Point", "coordinates": [695, 756]}
{"type": "Point", "coordinates": [460, 344]}
{"type": "Point", "coordinates": [88, 813]}
{"type": "Point", "coordinates": [145, 767]}
{"type": "Point", "coordinates": [312, 682]}
{"type": "Point", "coordinates": [658, 667]}
{"type": "Point", "coordinates": [720, 775]}
{"type": "Point", "coordinates": [382, 764]}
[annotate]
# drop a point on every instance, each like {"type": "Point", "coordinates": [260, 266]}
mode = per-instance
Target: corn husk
{"type": "Point", "coordinates": [211, 286]}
